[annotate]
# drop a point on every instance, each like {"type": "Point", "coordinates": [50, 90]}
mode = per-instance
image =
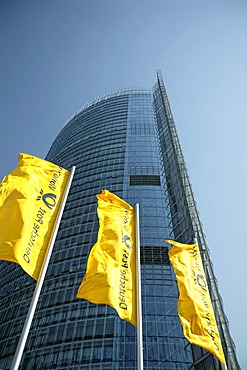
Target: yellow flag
{"type": "Point", "coordinates": [194, 306]}
{"type": "Point", "coordinates": [111, 274]}
{"type": "Point", "coordinates": [29, 201]}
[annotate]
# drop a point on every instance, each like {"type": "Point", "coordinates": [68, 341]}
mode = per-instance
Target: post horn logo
{"type": "Point", "coordinates": [49, 199]}
{"type": "Point", "coordinates": [127, 241]}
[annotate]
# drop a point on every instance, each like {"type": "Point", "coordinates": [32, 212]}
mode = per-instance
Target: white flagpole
{"type": "Point", "coordinates": [30, 314]}
{"type": "Point", "coordinates": [138, 292]}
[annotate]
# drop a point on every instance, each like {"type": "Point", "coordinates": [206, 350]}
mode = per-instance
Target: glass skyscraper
{"type": "Point", "coordinates": [125, 142]}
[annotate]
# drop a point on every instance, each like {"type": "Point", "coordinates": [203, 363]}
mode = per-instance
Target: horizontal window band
{"type": "Point", "coordinates": [144, 180]}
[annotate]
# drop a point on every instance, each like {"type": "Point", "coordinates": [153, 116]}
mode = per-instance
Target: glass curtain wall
{"type": "Point", "coordinates": [186, 224]}
{"type": "Point", "coordinates": [125, 142]}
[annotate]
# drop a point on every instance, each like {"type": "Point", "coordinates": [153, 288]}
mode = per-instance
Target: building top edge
{"type": "Point", "coordinates": [108, 96]}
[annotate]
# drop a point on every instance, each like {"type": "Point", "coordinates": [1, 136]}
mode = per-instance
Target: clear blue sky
{"type": "Point", "coordinates": [57, 55]}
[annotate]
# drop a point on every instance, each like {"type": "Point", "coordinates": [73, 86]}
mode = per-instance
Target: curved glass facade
{"type": "Point", "coordinates": [125, 142]}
